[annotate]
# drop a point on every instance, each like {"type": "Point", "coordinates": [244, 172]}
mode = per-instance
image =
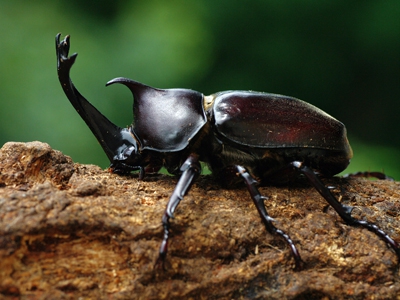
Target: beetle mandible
{"type": "Point", "coordinates": [241, 135]}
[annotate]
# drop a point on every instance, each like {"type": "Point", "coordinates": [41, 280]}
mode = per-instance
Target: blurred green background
{"type": "Point", "coordinates": [342, 56]}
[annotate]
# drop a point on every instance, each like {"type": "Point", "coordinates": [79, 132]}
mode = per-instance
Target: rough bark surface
{"type": "Point", "coordinates": [69, 230]}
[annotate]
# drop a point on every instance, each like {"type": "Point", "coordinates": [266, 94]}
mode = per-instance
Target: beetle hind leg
{"type": "Point", "coordinates": [258, 200]}
{"type": "Point", "coordinates": [344, 211]}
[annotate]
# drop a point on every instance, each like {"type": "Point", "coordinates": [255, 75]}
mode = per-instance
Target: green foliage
{"type": "Point", "coordinates": [368, 157]}
{"type": "Point", "coordinates": [341, 56]}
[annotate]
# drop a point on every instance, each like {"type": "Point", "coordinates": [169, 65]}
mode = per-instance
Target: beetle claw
{"type": "Point", "coordinates": [160, 262]}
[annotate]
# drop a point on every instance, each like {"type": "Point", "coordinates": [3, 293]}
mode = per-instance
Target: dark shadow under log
{"type": "Point", "coordinates": [69, 230]}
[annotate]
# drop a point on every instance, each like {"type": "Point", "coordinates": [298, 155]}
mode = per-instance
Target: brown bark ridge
{"type": "Point", "coordinates": [69, 230]}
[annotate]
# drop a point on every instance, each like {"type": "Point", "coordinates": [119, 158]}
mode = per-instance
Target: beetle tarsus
{"type": "Point", "coordinates": [141, 173]}
{"type": "Point", "coordinates": [258, 200]}
{"type": "Point", "coordinates": [190, 169]}
{"type": "Point", "coordinates": [344, 211]}
{"type": "Point", "coordinates": [160, 262]}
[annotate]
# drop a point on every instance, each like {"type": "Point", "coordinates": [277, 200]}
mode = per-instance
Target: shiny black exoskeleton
{"type": "Point", "coordinates": [239, 134]}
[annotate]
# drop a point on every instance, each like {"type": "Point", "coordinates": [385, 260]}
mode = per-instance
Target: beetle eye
{"type": "Point", "coordinates": [124, 153]}
{"type": "Point", "coordinates": [128, 151]}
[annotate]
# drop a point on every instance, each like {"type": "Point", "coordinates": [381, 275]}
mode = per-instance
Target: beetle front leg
{"type": "Point", "coordinates": [258, 200]}
{"type": "Point", "coordinates": [344, 211]}
{"type": "Point", "coordinates": [191, 169]}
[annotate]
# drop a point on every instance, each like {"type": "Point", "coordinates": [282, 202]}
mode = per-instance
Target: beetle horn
{"type": "Point", "coordinates": [109, 135]}
{"type": "Point", "coordinates": [135, 87]}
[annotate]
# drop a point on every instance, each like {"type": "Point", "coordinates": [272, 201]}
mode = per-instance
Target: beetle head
{"type": "Point", "coordinates": [120, 146]}
{"type": "Point", "coordinates": [127, 157]}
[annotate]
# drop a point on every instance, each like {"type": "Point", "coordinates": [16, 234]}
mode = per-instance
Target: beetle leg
{"type": "Point", "coordinates": [258, 200]}
{"type": "Point", "coordinates": [191, 169]}
{"type": "Point", "coordinates": [344, 211]}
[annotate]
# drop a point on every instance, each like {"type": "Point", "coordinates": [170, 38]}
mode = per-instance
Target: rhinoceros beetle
{"type": "Point", "coordinates": [240, 135]}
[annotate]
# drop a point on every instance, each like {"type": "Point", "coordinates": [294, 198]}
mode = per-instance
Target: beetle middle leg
{"type": "Point", "coordinates": [344, 211]}
{"type": "Point", "coordinates": [190, 169]}
{"type": "Point", "coordinates": [258, 200]}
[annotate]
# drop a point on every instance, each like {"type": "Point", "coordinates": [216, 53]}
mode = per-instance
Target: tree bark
{"type": "Point", "coordinates": [69, 230]}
